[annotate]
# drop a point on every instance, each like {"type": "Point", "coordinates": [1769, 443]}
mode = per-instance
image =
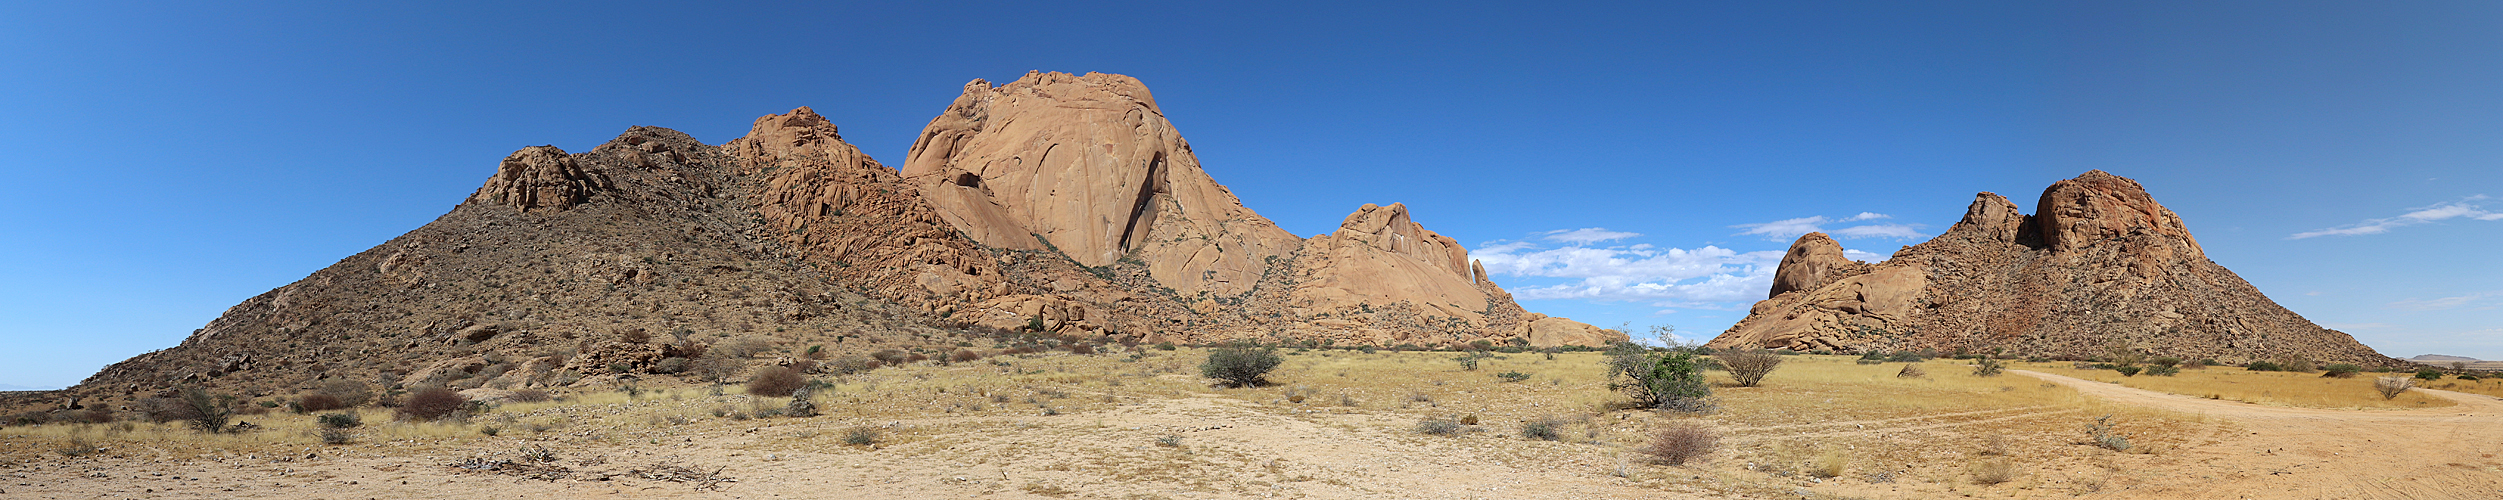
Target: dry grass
{"type": "Point", "coordinates": [1819, 416]}
{"type": "Point", "coordinates": [2268, 388]}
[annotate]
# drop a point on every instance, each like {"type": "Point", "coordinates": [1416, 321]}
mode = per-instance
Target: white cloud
{"type": "Point", "coordinates": [1708, 274]}
{"type": "Point", "coordinates": [1784, 229]}
{"type": "Point", "coordinates": [2438, 212]}
{"type": "Point", "coordinates": [1587, 235]}
{"type": "Point", "coordinates": [1787, 229]}
{"type": "Point", "coordinates": [1878, 231]}
{"type": "Point", "coordinates": [2436, 304]}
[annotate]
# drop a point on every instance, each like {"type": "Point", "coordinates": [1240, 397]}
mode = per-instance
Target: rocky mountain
{"type": "Point", "coordinates": [2101, 269]}
{"type": "Point", "coordinates": [1056, 206]}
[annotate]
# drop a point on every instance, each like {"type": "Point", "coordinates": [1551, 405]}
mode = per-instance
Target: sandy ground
{"type": "Point", "coordinates": [1227, 448]}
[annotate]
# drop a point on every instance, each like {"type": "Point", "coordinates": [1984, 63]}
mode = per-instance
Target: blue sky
{"type": "Point", "coordinates": [1623, 164]}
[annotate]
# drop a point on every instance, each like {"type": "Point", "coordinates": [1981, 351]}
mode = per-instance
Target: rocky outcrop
{"type": "Point", "coordinates": [1089, 166]}
{"type": "Point", "coordinates": [540, 177]}
{"type": "Point", "coordinates": [1814, 260]}
{"type": "Point", "coordinates": [1379, 256]}
{"type": "Point", "coordinates": [2103, 270]}
{"type": "Point", "coordinates": [1543, 331]}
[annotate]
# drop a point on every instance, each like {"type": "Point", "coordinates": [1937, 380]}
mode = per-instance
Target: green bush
{"type": "Point", "coordinates": [207, 413]}
{"type": "Point", "coordinates": [1513, 376]}
{"type": "Point", "coordinates": [1987, 367]}
{"type": "Point", "coordinates": [2127, 370]}
{"type": "Point", "coordinates": [1670, 380]}
{"type": "Point", "coordinates": [2163, 370]}
{"type": "Point", "coordinates": [2429, 374]}
{"type": "Point", "coordinates": [339, 420]}
{"type": "Point", "coordinates": [1545, 429]}
{"type": "Point", "coordinates": [1438, 426]}
{"type": "Point", "coordinates": [2263, 366]}
{"type": "Point", "coordinates": [1241, 365]}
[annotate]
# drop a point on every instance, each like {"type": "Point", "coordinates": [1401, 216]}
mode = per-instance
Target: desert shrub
{"type": "Point", "coordinates": [2128, 370]}
{"type": "Point", "coordinates": [1668, 380]}
{"type": "Point", "coordinates": [915, 358]}
{"type": "Point", "coordinates": [2391, 387]}
{"type": "Point", "coordinates": [2263, 366]}
{"type": "Point", "coordinates": [1169, 441]}
{"type": "Point", "coordinates": [1911, 371]}
{"type": "Point", "coordinates": [2101, 434]}
{"type": "Point", "coordinates": [1681, 442]}
{"type": "Point", "coordinates": [1749, 366]}
{"type": "Point", "coordinates": [2469, 377]}
{"type": "Point", "coordinates": [861, 436]}
{"type": "Point", "coordinates": [2429, 374]}
{"type": "Point", "coordinates": [889, 356]}
{"type": "Point", "coordinates": [318, 402]}
{"type": "Point", "coordinates": [1240, 365]}
{"type": "Point", "coordinates": [1987, 367]}
{"type": "Point", "coordinates": [1513, 376]}
{"type": "Point", "coordinates": [336, 436]}
{"type": "Point", "coordinates": [848, 365]}
{"type": "Point", "coordinates": [1829, 464]}
{"type": "Point", "coordinates": [717, 369]}
{"type": "Point", "coordinates": [1467, 362]}
{"type": "Point", "coordinates": [815, 352]}
{"type": "Point", "coordinates": [1164, 346]}
{"type": "Point", "coordinates": [532, 396]}
{"type": "Point", "coordinates": [101, 415]}
{"type": "Point", "coordinates": [1544, 429]}
{"type": "Point", "coordinates": [1469, 419]}
{"type": "Point", "coordinates": [1993, 471]}
{"type": "Point", "coordinates": [775, 381]}
{"type": "Point", "coordinates": [2165, 361]}
{"type": "Point", "coordinates": [802, 405]}
{"type": "Point", "coordinates": [207, 413]}
{"type": "Point", "coordinates": [343, 420]}
{"type": "Point", "coordinates": [964, 355]}
{"type": "Point", "coordinates": [1081, 348]}
{"type": "Point", "coordinates": [1439, 426]}
{"type": "Point", "coordinates": [2163, 370]}
{"type": "Point", "coordinates": [2341, 370]}
{"type": "Point", "coordinates": [743, 346]}
{"type": "Point", "coordinates": [351, 393]}
{"type": "Point", "coordinates": [432, 403]}
{"type": "Point", "coordinates": [2297, 365]}
{"type": "Point", "coordinates": [672, 365]}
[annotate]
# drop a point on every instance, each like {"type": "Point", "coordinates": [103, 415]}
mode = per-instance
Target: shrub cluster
{"type": "Point", "coordinates": [432, 403]}
{"type": "Point", "coordinates": [775, 381]}
{"type": "Point", "coordinates": [1681, 442]}
{"type": "Point", "coordinates": [1671, 379]}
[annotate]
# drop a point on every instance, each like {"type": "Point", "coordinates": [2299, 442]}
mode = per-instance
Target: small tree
{"type": "Point", "coordinates": [1987, 367]}
{"type": "Point", "coordinates": [1749, 366]}
{"type": "Point", "coordinates": [1669, 380]}
{"type": "Point", "coordinates": [2391, 387]}
{"type": "Point", "coordinates": [205, 412]}
{"type": "Point", "coordinates": [1241, 365]}
{"type": "Point", "coordinates": [2429, 374]}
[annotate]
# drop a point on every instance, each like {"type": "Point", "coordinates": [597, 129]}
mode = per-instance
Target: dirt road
{"type": "Point", "coordinates": [2305, 453]}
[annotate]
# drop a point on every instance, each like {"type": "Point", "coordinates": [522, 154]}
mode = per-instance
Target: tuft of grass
{"type": "Point", "coordinates": [1169, 441]}
{"type": "Point", "coordinates": [862, 436]}
{"type": "Point", "coordinates": [1992, 471]}
{"type": "Point", "coordinates": [339, 420]}
{"type": "Point", "coordinates": [1829, 464]}
{"type": "Point", "coordinates": [1512, 376]}
{"type": "Point", "coordinates": [1439, 426]}
{"type": "Point", "coordinates": [1543, 429]}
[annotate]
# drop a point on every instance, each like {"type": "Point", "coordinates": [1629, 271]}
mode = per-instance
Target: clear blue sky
{"type": "Point", "coordinates": [1624, 164]}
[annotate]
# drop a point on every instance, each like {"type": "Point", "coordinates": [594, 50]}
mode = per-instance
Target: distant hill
{"type": "Point", "coordinates": [2427, 358]}
{"type": "Point", "coordinates": [2100, 269]}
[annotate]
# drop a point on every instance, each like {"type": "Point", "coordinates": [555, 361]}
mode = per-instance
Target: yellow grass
{"type": "Point", "coordinates": [2308, 390]}
{"type": "Point", "coordinates": [1814, 416]}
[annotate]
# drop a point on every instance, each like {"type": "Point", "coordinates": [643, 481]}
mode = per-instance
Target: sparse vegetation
{"type": "Point", "coordinates": [862, 436]}
{"type": "Point", "coordinates": [1749, 366]}
{"type": "Point", "coordinates": [2102, 436]}
{"type": "Point", "coordinates": [1513, 376]}
{"type": "Point", "coordinates": [1990, 471]}
{"type": "Point", "coordinates": [1911, 371]}
{"type": "Point", "coordinates": [344, 420]}
{"type": "Point", "coordinates": [1543, 429]}
{"type": "Point", "coordinates": [1439, 426]}
{"type": "Point", "coordinates": [207, 413]}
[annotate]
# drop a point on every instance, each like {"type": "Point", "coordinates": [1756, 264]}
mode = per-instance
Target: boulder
{"type": "Point", "coordinates": [540, 177]}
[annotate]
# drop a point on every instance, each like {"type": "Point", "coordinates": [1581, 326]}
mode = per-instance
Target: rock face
{"type": "Point", "coordinates": [2104, 269]}
{"type": "Point", "coordinates": [1057, 205]}
{"type": "Point", "coordinates": [1090, 166]}
{"type": "Point", "coordinates": [1378, 254]}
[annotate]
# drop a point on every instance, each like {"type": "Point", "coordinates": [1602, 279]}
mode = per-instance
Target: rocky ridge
{"type": "Point", "coordinates": [1056, 205]}
{"type": "Point", "coordinates": [2103, 269]}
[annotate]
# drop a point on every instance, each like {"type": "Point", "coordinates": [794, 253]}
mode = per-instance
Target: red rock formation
{"type": "Point", "coordinates": [2103, 270]}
